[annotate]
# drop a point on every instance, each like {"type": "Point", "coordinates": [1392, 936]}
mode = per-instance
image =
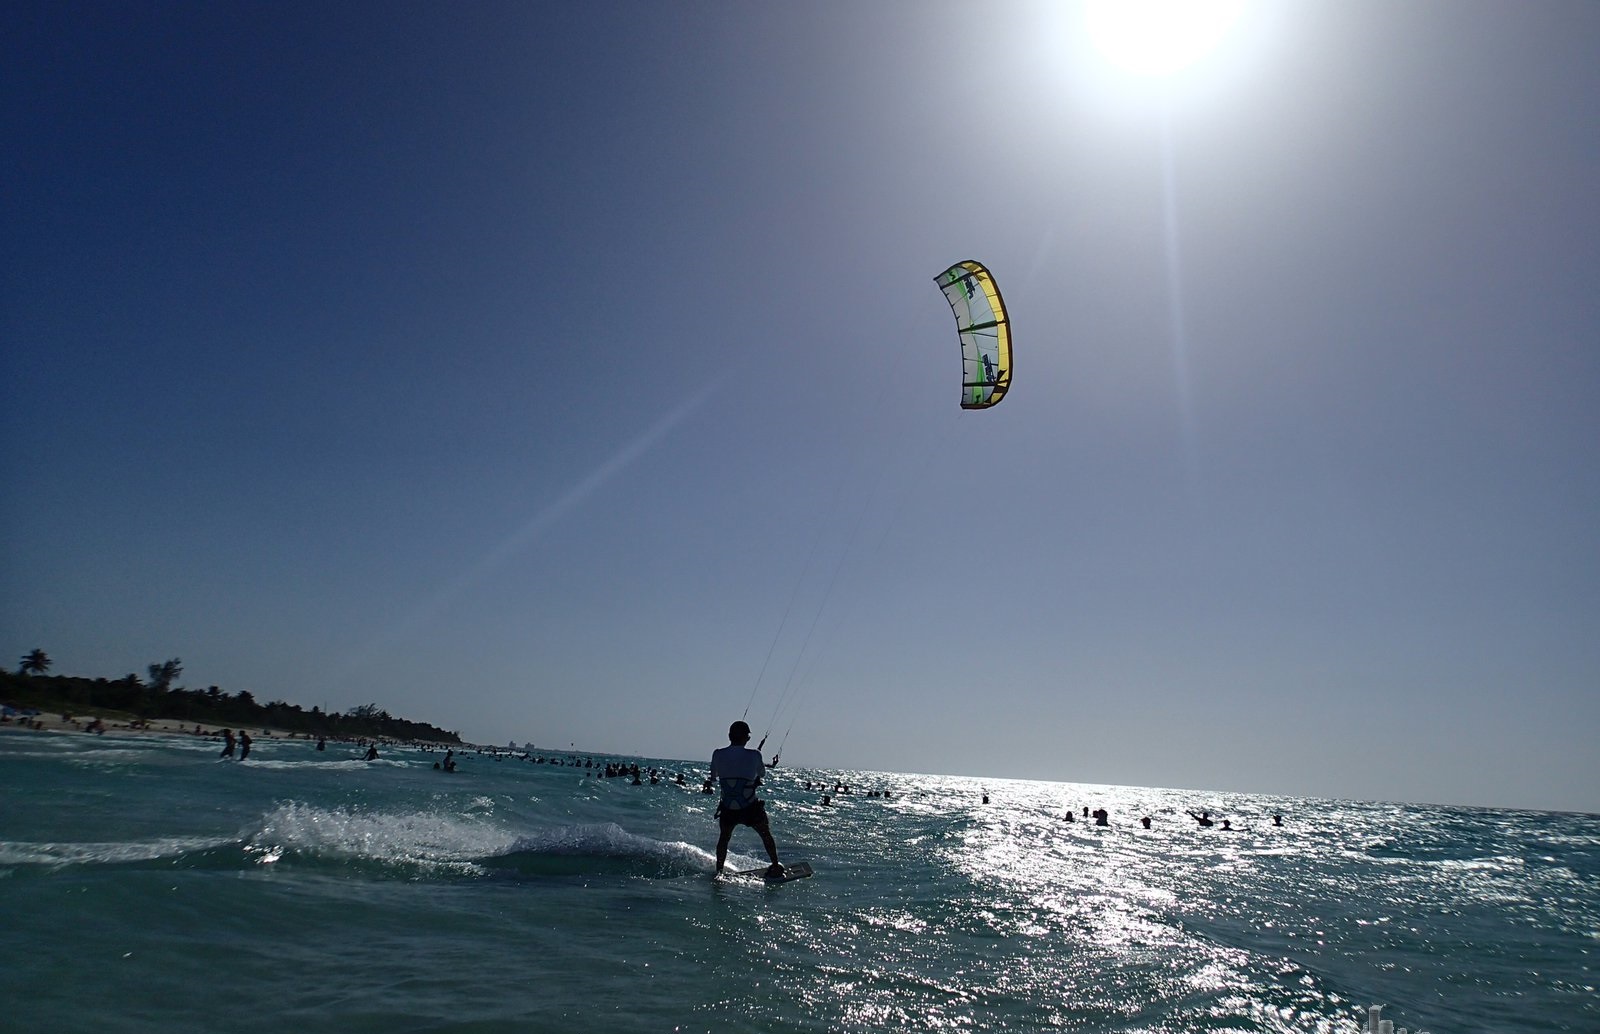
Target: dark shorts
{"type": "Point", "coordinates": [753, 815]}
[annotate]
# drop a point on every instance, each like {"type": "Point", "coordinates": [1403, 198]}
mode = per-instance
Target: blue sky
{"type": "Point", "coordinates": [515, 366]}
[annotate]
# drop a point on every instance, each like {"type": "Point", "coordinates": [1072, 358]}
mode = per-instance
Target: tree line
{"type": "Point", "coordinates": [155, 698]}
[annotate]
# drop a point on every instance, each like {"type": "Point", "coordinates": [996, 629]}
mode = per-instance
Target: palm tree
{"type": "Point", "coordinates": [35, 663]}
{"type": "Point", "coordinates": [163, 675]}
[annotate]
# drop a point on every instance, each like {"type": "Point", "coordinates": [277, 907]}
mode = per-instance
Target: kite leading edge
{"type": "Point", "coordinates": [985, 333]}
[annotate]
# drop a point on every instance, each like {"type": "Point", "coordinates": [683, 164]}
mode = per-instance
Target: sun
{"type": "Point", "coordinates": [1159, 37]}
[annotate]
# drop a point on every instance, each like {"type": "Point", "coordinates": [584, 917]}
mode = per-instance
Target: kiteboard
{"type": "Point", "coordinates": [797, 871]}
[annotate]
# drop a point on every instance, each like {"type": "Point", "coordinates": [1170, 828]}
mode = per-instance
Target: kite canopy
{"type": "Point", "coordinates": [985, 333]}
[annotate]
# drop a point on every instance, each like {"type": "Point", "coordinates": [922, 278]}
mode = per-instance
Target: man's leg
{"type": "Point", "coordinates": [765, 829]}
{"type": "Point", "coordinates": [722, 846]}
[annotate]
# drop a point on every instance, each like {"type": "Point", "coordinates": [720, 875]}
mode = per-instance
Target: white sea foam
{"type": "Point", "coordinates": [413, 836]}
{"type": "Point", "coordinates": [347, 764]}
{"type": "Point", "coordinates": [607, 840]}
{"type": "Point", "coordinates": [108, 756]}
{"type": "Point", "coordinates": [62, 854]}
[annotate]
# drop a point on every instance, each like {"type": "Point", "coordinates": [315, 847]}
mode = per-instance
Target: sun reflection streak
{"type": "Point", "coordinates": [524, 536]}
{"type": "Point", "coordinates": [939, 912]}
{"type": "Point", "coordinates": [1177, 325]}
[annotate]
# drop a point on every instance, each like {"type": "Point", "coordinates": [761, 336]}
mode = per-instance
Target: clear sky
{"type": "Point", "coordinates": [576, 374]}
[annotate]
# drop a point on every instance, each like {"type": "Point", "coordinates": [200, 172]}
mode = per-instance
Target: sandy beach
{"type": "Point", "coordinates": [84, 724]}
{"type": "Point", "coordinates": [81, 723]}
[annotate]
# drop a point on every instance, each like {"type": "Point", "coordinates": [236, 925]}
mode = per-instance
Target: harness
{"type": "Point", "coordinates": [738, 792]}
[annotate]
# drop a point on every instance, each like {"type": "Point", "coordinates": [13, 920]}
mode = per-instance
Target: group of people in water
{"type": "Point", "coordinates": [1102, 817]}
{"type": "Point", "coordinates": [241, 742]}
{"type": "Point", "coordinates": [1207, 822]}
{"type": "Point", "coordinates": [229, 742]}
{"type": "Point", "coordinates": [840, 787]}
{"type": "Point", "coordinates": [638, 776]}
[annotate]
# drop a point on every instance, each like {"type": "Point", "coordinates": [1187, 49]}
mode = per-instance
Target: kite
{"type": "Point", "coordinates": [985, 333]}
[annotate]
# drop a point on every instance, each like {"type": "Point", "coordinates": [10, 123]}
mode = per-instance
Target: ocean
{"type": "Point", "coordinates": [147, 886]}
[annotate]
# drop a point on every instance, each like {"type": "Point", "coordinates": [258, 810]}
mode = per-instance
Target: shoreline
{"type": "Point", "coordinates": [80, 724]}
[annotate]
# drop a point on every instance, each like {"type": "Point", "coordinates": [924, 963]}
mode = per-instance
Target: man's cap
{"type": "Point", "coordinates": [738, 730]}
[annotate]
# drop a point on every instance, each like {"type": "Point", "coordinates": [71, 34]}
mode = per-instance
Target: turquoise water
{"type": "Point", "coordinates": [145, 886]}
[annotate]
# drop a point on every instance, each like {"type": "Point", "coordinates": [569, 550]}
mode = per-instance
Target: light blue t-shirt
{"type": "Point", "coordinates": [739, 771]}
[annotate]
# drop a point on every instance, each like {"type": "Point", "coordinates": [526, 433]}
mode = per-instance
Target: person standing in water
{"type": "Point", "coordinates": [227, 743]}
{"type": "Point", "coordinates": [738, 770]}
{"type": "Point", "coordinates": [244, 744]}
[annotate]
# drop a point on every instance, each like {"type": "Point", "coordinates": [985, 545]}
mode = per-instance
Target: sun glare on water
{"type": "Point", "coordinates": [1159, 37]}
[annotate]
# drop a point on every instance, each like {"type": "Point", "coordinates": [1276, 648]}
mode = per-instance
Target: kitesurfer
{"type": "Point", "coordinates": [1204, 818]}
{"type": "Point", "coordinates": [738, 770]}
